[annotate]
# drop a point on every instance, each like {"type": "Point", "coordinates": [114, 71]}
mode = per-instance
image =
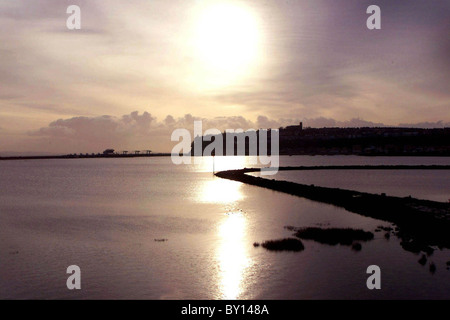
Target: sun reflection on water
{"type": "Point", "coordinates": [221, 191]}
{"type": "Point", "coordinates": [232, 255]}
{"type": "Point", "coordinates": [222, 163]}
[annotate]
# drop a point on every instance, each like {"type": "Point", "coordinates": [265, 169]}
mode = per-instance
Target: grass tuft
{"type": "Point", "coordinates": [288, 244]}
{"type": "Point", "coordinates": [334, 236]}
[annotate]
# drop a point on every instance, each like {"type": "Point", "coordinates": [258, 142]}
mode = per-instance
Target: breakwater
{"type": "Point", "coordinates": [421, 223]}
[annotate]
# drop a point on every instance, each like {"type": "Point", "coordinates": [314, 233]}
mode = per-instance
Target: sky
{"type": "Point", "coordinates": [139, 69]}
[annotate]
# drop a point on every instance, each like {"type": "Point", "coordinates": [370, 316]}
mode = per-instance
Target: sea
{"type": "Point", "coordinates": [145, 228]}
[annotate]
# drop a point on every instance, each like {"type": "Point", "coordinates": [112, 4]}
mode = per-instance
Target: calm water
{"type": "Point", "coordinates": [105, 214]}
{"type": "Point", "coordinates": [423, 184]}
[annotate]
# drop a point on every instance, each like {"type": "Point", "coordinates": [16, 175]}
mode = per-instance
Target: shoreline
{"type": "Point", "coordinates": [115, 156]}
{"type": "Point", "coordinates": [421, 223]}
{"type": "Point", "coordinates": [95, 156]}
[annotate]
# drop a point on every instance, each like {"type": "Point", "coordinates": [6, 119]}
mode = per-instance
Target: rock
{"type": "Point", "coordinates": [432, 267]}
{"type": "Point", "coordinates": [334, 236]}
{"type": "Point", "coordinates": [428, 250]}
{"type": "Point", "coordinates": [411, 246]}
{"type": "Point", "coordinates": [288, 244]}
{"type": "Point", "coordinates": [423, 260]}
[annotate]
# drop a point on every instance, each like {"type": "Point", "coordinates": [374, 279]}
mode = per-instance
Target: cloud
{"type": "Point", "coordinates": [318, 63]}
{"type": "Point", "coordinates": [328, 64]}
{"type": "Point", "coordinates": [426, 125]}
{"type": "Point", "coordinates": [135, 131]}
{"type": "Point", "coordinates": [130, 131]}
{"type": "Point", "coordinates": [93, 133]}
{"type": "Point", "coordinates": [264, 122]}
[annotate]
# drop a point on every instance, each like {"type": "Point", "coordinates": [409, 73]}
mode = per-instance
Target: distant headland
{"type": "Point", "coordinates": [108, 153]}
{"type": "Point", "coordinates": [297, 140]}
{"type": "Point", "coordinates": [367, 141]}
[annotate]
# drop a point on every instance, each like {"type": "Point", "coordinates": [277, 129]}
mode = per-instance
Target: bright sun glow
{"type": "Point", "coordinates": [227, 40]}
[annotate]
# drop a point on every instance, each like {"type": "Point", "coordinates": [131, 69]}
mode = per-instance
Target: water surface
{"type": "Point", "coordinates": [105, 214]}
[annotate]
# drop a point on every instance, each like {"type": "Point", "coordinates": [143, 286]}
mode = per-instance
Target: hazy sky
{"type": "Point", "coordinates": [139, 69]}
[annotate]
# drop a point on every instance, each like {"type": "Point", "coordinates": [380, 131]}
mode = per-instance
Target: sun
{"type": "Point", "coordinates": [227, 39]}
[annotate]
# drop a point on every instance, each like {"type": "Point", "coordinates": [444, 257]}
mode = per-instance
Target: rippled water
{"type": "Point", "coordinates": [105, 214]}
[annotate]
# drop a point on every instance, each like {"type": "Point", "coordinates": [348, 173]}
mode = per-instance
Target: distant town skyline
{"type": "Point", "coordinates": [137, 70]}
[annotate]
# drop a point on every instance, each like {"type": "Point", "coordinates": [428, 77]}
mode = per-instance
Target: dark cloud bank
{"type": "Point", "coordinates": [141, 131]}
